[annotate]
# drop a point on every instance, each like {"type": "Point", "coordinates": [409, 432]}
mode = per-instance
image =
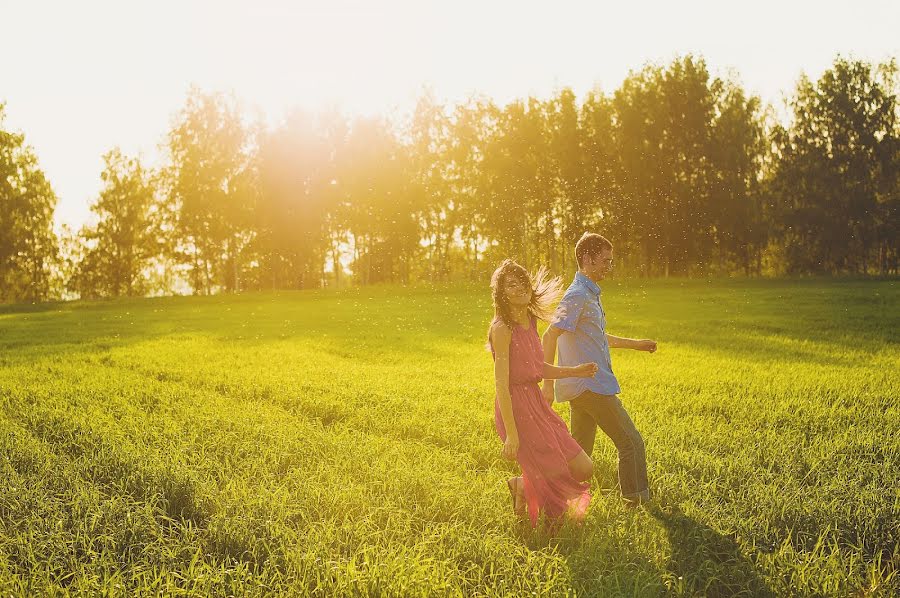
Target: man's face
{"type": "Point", "coordinates": [598, 266]}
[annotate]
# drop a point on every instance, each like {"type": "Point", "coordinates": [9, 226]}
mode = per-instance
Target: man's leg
{"type": "Point", "coordinates": [583, 414]}
{"type": "Point", "coordinates": [616, 423]}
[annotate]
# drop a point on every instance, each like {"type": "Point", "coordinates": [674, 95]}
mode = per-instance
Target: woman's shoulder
{"type": "Point", "coordinates": [500, 330]}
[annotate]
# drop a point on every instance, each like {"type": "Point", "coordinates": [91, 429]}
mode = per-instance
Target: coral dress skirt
{"type": "Point", "coordinates": [545, 445]}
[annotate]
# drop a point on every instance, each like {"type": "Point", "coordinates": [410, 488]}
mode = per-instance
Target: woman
{"type": "Point", "coordinates": [554, 467]}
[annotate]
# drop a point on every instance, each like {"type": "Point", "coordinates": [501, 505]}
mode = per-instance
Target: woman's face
{"type": "Point", "coordinates": [517, 290]}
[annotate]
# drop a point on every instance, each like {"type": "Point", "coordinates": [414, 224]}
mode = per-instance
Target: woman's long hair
{"type": "Point", "coordinates": [545, 292]}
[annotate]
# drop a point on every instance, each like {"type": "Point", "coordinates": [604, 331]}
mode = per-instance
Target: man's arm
{"type": "Point", "coordinates": [618, 342]}
{"type": "Point", "coordinates": [549, 339]}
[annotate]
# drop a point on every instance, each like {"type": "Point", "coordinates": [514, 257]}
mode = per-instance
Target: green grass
{"type": "Point", "coordinates": [342, 443]}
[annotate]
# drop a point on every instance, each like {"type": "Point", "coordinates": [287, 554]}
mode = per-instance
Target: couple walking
{"type": "Point", "coordinates": [556, 465]}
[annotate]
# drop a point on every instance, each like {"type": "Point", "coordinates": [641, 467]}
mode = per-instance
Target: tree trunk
{"type": "Point", "coordinates": [336, 258]}
{"type": "Point", "coordinates": [236, 286]}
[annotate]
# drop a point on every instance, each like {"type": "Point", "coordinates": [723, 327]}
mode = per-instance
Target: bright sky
{"type": "Point", "coordinates": [79, 78]}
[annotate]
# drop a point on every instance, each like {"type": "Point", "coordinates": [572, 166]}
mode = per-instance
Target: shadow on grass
{"type": "Point", "coordinates": [705, 562]}
{"type": "Point", "coordinates": [28, 308]}
{"type": "Point", "coordinates": [702, 561]}
{"type": "Point", "coordinates": [340, 325]}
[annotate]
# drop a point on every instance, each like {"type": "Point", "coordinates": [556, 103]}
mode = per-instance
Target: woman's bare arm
{"type": "Point", "coordinates": [500, 339]}
{"type": "Point", "coordinates": [554, 372]}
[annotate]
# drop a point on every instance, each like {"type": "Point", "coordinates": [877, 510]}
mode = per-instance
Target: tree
{"type": "Point", "coordinates": [292, 211]}
{"type": "Point", "coordinates": [126, 237]}
{"type": "Point", "coordinates": [429, 152]}
{"type": "Point", "coordinates": [519, 180]}
{"type": "Point", "coordinates": [465, 153]}
{"type": "Point", "coordinates": [836, 181]}
{"type": "Point", "coordinates": [737, 154]}
{"type": "Point", "coordinates": [597, 201]}
{"type": "Point", "coordinates": [639, 133]}
{"type": "Point", "coordinates": [213, 189]}
{"type": "Point", "coordinates": [28, 245]}
{"type": "Point", "coordinates": [379, 203]}
{"type": "Point", "coordinates": [689, 156]}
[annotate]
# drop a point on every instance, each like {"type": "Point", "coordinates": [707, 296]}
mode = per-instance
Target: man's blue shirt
{"type": "Point", "coordinates": [580, 314]}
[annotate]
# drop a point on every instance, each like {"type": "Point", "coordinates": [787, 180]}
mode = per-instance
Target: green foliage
{"type": "Point", "coordinates": [213, 190]}
{"type": "Point", "coordinates": [377, 197]}
{"type": "Point", "coordinates": [683, 171]}
{"type": "Point", "coordinates": [452, 191]}
{"type": "Point", "coordinates": [342, 444]}
{"type": "Point", "coordinates": [690, 151]}
{"type": "Point", "coordinates": [837, 180]}
{"type": "Point", "coordinates": [119, 248]}
{"type": "Point", "coordinates": [28, 248]}
{"type": "Point", "coordinates": [295, 198]}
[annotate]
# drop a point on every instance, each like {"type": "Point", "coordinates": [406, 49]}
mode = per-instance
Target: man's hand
{"type": "Point", "coordinates": [645, 345]}
{"type": "Point", "coordinates": [548, 391]}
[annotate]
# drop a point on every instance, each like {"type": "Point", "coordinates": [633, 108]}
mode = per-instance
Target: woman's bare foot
{"type": "Point", "coordinates": [517, 494]}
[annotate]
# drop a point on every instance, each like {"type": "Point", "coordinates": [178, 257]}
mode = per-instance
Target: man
{"type": "Point", "coordinates": [579, 330]}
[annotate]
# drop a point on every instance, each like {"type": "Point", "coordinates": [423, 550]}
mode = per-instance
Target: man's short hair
{"type": "Point", "coordinates": [590, 244]}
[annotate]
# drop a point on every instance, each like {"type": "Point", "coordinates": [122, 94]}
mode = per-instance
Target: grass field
{"type": "Point", "coordinates": [342, 443]}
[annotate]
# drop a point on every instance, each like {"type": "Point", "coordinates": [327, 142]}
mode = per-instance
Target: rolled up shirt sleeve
{"type": "Point", "coordinates": [568, 311]}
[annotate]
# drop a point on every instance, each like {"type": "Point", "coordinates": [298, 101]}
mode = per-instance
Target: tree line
{"type": "Point", "coordinates": [686, 173]}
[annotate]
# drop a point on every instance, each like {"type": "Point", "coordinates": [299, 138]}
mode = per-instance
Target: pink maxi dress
{"type": "Point", "coordinates": [545, 445]}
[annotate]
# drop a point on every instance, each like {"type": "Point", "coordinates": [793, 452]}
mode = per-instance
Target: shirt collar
{"type": "Point", "coordinates": [587, 283]}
